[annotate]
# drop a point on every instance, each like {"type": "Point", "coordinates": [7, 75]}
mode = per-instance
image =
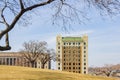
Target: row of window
{"type": "Point", "coordinates": [71, 63]}
{"type": "Point", "coordinates": [72, 59]}
{"type": "Point", "coordinates": [72, 43]}
{"type": "Point", "coordinates": [71, 47]}
{"type": "Point", "coordinates": [72, 68]}
{"type": "Point", "coordinates": [72, 55]}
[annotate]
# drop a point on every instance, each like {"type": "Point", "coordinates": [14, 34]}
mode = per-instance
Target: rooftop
{"type": "Point", "coordinates": [72, 39]}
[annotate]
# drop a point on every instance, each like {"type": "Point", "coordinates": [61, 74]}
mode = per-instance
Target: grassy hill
{"type": "Point", "coordinates": [24, 73]}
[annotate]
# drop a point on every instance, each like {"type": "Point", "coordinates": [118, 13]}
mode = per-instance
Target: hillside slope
{"type": "Point", "coordinates": [24, 73]}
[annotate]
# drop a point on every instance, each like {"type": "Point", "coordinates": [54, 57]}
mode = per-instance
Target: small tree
{"type": "Point", "coordinates": [47, 56]}
{"type": "Point", "coordinates": [32, 50]}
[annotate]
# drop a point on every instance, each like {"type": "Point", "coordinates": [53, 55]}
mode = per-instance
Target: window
{"type": "Point", "coordinates": [64, 67]}
{"type": "Point", "coordinates": [84, 67]}
{"type": "Point", "coordinates": [58, 43]}
{"type": "Point", "coordinates": [64, 63]}
{"type": "Point", "coordinates": [58, 63]}
{"type": "Point", "coordinates": [58, 47]}
{"type": "Point", "coordinates": [69, 43]}
{"type": "Point", "coordinates": [79, 43]}
{"type": "Point", "coordinates": [84, 63]}
{"type": "Point", "coordinates": [69, 63]}
{"type": "Point", "coordinates": [69, 51]}
{"type": "Point", "coordinates": [73, 43]}
{"type": "Point", "coordinates": [84, 47]}
{"type": "Point", "coordinates": [84, 43]}
{"type": "Point", "coordinates": [79, 67]}
{"type": "Point", "coordinates": [79, 63]}
{"type": "Point", "coordinates": [58, 51]}
{"type": "Point", "coordinates": [64, 43]}
{"type": "Point", "coordinates": [69, 67]}
{"type": "Point", "coordinates": [84, 59]}
{"type": "Point", "coordinates": [84, 51]}
{"type": "Point", "coordinates": [84, 55]}
{"type": "Point", "coordinates": [64, 51]}
{"type": "Point", "coordinates": [84, 72]}
{"type": "Point", "coordinates": [58, 55]}
{"type": "Point", "coordinates": [64, 47]}
{"type": "Point", "coordinates": [58, 67]}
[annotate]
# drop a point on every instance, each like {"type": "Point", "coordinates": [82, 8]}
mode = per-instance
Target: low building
{"type": "Point", "coordinates": [17, 59]}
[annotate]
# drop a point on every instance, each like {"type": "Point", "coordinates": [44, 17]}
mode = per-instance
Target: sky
{"type": "Point", "coordinates": [103, 36]}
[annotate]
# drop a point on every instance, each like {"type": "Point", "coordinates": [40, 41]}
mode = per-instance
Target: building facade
{"type": "Point", "coordinates": [72, 54]}
{"type": "Point", "coordinates": [17, 59]}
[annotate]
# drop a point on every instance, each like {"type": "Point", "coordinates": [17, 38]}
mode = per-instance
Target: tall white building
{"type": "Point", "coordinates": [72, 54]}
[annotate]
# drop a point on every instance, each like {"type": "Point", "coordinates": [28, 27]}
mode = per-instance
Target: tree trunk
{"type": "Point", "coordinates": [32, 64]}
{"type": "Point", "coordinates": [42, 65]}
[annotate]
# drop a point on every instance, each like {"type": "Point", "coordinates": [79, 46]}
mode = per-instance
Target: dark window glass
{"type": "Point", "coordinates": [84, 55]}
{"type": "Point", "coordinates": [84, 72]}
{"type": "Point", "coordinates": [58, 47]}
{"type": "Point", "coordinates": [58, 43]}
{"type": "Point", "coordinates": [84, 43]}
{"type": "Point", "coordinates": [69, 67]}
{"type": "Point", "coordinates": [84, 67]}
{"type": "Point", "coordinates": [64, 63]}
{"type": "Point", "coordinates": [84, 47]}
{"type": "Point", "coordinates": [73, 43]}
{"type": "Point", "coordinates": [58, 67]}
{"type": "Point", "coordinates": [84, 63]}
{"type": "Point", "coordinates": [58, 63]}
{"type": "Point", "coordinates": [69, 63]}
{"type": "Point", "coordinates": [69, 43]}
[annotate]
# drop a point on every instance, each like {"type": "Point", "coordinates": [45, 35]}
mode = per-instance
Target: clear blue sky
{"type": "Point", "coordinates": [103, 33]}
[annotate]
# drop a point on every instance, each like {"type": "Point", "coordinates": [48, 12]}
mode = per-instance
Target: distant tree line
{"type": "Point", "coordinates": [106, 70]}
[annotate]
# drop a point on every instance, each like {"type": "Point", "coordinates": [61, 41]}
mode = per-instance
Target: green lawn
{"type": "Point", "coordinates": [24, 73]}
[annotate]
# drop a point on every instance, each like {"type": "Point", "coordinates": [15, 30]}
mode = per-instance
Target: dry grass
{"type": "Point", "coordinates": [24, 73]}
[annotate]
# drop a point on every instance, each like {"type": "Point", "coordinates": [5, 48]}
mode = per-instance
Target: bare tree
{"type": "Point", "coordinates": [47, 56]}
{"type": "Point", "coordinates": [32, 50]}
{"type": "Point", "coordinates": [66, 11]}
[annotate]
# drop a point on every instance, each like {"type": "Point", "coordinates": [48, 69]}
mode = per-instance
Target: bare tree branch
{"type": "Point", "coordinates": [21, 4]}
{"type": "Point", "coordinates": [66, 11]}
